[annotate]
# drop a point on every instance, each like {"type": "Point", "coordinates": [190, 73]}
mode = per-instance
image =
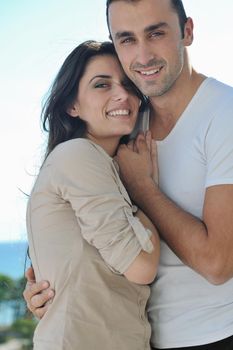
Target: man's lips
{"type": "Point", "coordinates": [149, 73]}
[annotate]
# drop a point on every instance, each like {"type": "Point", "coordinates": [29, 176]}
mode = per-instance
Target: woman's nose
{"type": "Point", "coordinates": [120, 93]}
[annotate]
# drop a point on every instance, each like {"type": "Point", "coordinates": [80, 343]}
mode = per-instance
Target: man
{"type": "Point", "coordinates": [191, 304]}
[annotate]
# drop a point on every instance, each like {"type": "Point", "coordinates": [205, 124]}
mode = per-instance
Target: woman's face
{"type": "Point", "coordinates": [104, 101]}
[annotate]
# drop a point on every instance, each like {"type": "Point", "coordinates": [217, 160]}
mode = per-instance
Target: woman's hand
{"type": "Point", "coordinates": [37, 295]}
{"type": "Point", "coordinates": [138, 164]}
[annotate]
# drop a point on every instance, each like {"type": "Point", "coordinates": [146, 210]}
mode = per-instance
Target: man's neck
{"type": "Point", "coordinates": [167, 109]}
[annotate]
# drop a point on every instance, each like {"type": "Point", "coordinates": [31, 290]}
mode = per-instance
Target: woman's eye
{"type": "Point", "coordinates": [101, 85]}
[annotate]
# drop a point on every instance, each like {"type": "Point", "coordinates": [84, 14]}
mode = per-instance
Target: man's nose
{"type": "Point", "coordinates": [144, 53]}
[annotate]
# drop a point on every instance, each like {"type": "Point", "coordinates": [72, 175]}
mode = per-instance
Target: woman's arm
{"type": "Point", "coordinates": [106, 221]}
{"type": "Point", "coordinates": [144, 268]}
{"type": "Point", "coordinates": [85, 177]}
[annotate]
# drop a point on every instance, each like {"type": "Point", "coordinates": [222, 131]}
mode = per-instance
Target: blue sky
{"type": "Point", "coordinates": [35, 38]}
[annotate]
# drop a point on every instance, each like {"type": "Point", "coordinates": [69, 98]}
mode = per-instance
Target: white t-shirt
{"type": "Point", "coordinates": [184, 308]}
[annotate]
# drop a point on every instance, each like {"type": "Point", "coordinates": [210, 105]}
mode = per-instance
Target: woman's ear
{"type": "Point", "coordinates": [73, 111]}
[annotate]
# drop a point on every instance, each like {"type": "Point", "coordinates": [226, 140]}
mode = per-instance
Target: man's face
{"type": "Point", "coordinates": [149, 43]}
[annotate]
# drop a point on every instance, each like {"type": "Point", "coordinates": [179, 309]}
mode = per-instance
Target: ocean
{"type": "Point", "coordinates": [12, 264]}
{"type": "Point", "coordinates": [12, 258]}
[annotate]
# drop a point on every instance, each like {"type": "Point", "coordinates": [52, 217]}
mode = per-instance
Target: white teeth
{"type": "Point", "coordinates": [150, 72]}
{"type": "Point", "coordinates": [119, 112]}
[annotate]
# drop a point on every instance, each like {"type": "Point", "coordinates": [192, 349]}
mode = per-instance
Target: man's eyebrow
{"type": "Point", "coordinates": [156, 26]}
{"type": "Point", "coordinates": [100, 76]}
{"type": "Point", "coordinates": [124, 34]}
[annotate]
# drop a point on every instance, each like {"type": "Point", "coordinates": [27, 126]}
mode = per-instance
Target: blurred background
{"type": "Point", "coordinates": [36, 37]}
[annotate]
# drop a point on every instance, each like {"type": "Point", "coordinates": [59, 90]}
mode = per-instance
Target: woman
{"type": "Point", "coordinates": [83, 235]}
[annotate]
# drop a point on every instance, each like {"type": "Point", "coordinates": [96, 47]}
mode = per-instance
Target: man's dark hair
{"type": "Point", "coordinates": [177, 5]}
{"type": "Point", "coordinates": [179, 9]}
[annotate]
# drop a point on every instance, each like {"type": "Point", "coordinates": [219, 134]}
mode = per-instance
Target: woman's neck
{"type": "Point", "coordinates": [110, 144]}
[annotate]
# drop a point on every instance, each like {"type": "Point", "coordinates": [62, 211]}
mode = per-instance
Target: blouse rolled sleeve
{"type": "Point", "coordinates": [85, 178]}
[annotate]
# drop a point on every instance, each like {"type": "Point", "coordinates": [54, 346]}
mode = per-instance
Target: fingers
{"type": "Point", "coordinates": [130, 145]}
{"type": "Point", "coordinates": [38, 303]}
{"type": "Point", "coordinates": [36, 295]}
{"type": "Point", "coordinates": [154, 158]}
{"type": "Point", "coordinates": [125, 149]}
{"type": "Point", "coordinates": [33, 288]}
{"type": "Point", "coordinates": [40, 300]}
{"type": "Point", "coordinates": [148, 140]}
{"type": "Point", "coordinates": [29, 274]}
{"type": "Point", "coordinates": [40, 312]}
{"type": "Point", "coordinates": [153, 152]}
{"type": "Point", "coordinates": [141, 144]}
{"type": "Point", "coordinates": [120, 151]}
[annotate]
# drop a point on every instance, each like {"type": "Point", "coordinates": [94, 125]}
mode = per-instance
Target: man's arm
{"type": "Point", "coordinates": [206, 246]}
{"type": "Point", "coordinates": [37, 295]}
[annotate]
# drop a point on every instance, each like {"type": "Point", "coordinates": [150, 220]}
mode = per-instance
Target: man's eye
{"type": "Point", "coordinates": [127, 41]}
{"type": "Point", "coordinates": [155, 34]}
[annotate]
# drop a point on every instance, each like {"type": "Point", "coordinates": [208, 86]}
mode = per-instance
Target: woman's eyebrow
{"type": "Point", "coordinates": [100, 76]}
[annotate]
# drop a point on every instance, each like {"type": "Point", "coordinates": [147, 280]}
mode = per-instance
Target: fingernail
{"type": "Point", "coordinates": [51, 294]}
{"type": "Point", "coordinates": [45, 285]}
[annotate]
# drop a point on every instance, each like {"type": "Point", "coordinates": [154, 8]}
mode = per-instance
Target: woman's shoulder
{"type": "Point", "coordinates": [75, 151]}
{"type": "Point", "coordinates": [74, 144]}
{"type": "Point", "coordinates": [78, 147]}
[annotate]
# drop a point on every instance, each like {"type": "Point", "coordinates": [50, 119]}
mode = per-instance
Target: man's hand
{"type": "Point", "coordinates": [152, 147]}
{"type": "Point", "coordinates": [138, 163]}
{"type": "Point", "coordinates": [37, 295]}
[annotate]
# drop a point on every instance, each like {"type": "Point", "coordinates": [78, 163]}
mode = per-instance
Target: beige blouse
{"type": "Point", "coordinates": [82, 237]}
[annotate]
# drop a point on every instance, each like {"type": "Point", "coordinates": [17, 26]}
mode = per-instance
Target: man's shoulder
{"type": "Point", "coordinates": [220, 87]}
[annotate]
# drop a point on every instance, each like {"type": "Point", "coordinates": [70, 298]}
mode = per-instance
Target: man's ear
{"type": "Point", "coordinates": [73, 111]}
{"type": "Point", "coordinates": [188, 32]}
